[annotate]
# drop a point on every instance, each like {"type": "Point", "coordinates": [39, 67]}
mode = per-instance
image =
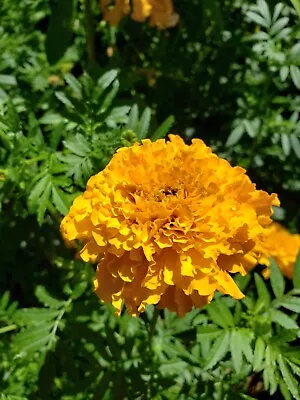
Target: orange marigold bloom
{"type": "Point", "coordinates": [167, 223]}
{"type": "Point", "coordinates": [281, 245]}
{"type": "Point", "coordinates": [161, 12]}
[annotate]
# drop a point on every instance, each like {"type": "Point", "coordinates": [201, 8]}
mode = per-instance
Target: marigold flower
{"type": "Point", "coordinates": [281, 245]}
{"type": "Point", "coordinates": [161, 12]}
{"type": "Point", "coordinates": [167, 223]}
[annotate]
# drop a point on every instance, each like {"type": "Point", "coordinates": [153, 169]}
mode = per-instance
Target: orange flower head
{"type": "Point", "coordinates": [167, 223]}
{"type": "Point", "coordinates": [281, 245]}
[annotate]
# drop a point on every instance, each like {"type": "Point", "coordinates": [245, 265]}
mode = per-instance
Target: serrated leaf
{"type": "Point", "coordinates": [219, 349]}
{"type": "Point", "coordinates": [163, 129]}
{"type": "Point", "coordinates": [288, 378]}
{"type": "Point", "coordinates": [236, 350]}
{"type": "Point", "coordinates": [216, 315]}
{"type": "Point", "coordinates": [46, 299]}
{"type": "Point", "coordinates": [105, 81]}
{"type": "Point", "coordinates": [296, 272]}
{"type": "Point", "coordinates": [285, 143]}
{"type": "Point", "coordinates": [8, 80]}
{"type": "Point", "coordinates": [262, 290]}
{"type": "Point", "coordinates": [110, 97]}
{"type": "Point", "coordinates": [277, 11]}
{"type": "Point", "coordinates": [77, 145]}
{"type": "Point", "coordinates": [252, 127]}
{"type": "Point", "coordinates": [284, 320]}
{"type": "Point", "coordinates": [208, 332]}
{"type": "Point", "coordinates": [59, 200]}
{"type": "Point", "coordinates": [284, 72]}
{"type": "Point", "coordinates": [43, 202]}
{"type": "Point", "coordinates": [284, 390]}
{"type": "Point", "coordinates": [264, 10]}
{"type": "Point", "coordinates": [295, 74]}
{"type": "Point", "coordinates": [259, 353]}
{"type": "Point", "coordinates": [245, 343]}
{"type": "Point", "coordinates": [291, 303]}
{"type": "Point", "coordinates": [4, 301]}
{"type": "Point", "coordinates": [74, 84]}
{"type": "Point", "coordinates": [38, 189]}
{"type": "Point", "coordinates": [295, 142]}
{"type": "Point", "coordinates": [64, 99]}
{"type": "Point", "coordinates": [296, 4]}
{"type": "Point", "coordinates": [279, 25]}
{"type": "Point", "coordinates": [257, 18]}
{"type": "Point", "coordinates": [34, 315]}
{"type": "Point", "coordinates": [144, 124]}
{"type": "Point", "coordinates": [235, 136]}
{"type": "Point", "coordinates": [133, 118]}
{"type": "Point", "coordinates": [277, 279]}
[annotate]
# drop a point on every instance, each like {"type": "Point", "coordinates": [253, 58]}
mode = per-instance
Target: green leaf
{"type": "Point", "coordinates": [59, 32]}
{"type": "Point", "coordinates": [105, 81]}
{"type": "Point", "coordinates": [264, 10]}
{"type": "Point", "coordinates": [286, 144]}
{"type": "Point", "coordinates": [216, 315]}
{"type": "Point", "coordinates": [279, 25]}
{"type": "Point", "coordinates": [291, 303]}
{"type": "Point", "coordinates": [64, 99]}
{"type": "Point", "coordinates": [163, 129]}
{"type": "Point", "coordinates": [236, 350]}
{"type": "Point", "coordinates": [295, 74]}
{"type": "Point", "coordinates": [46, 299]}
{"type": "Point", "coordinates": [208, 332]}
{"type": "Point", "coordinates": [284, 390]}
{"type": "Point", "coordinates": [288, 378]}
{"type": "Point", "coordinates": [110, 97]}
{"type": "Point", "coordinates": [262, 290]}
{"type": "Point", "coordinates": [43, 202]}
{"type": "Point", "coordinates": [59, 200]}
{"type": "Point", "coordinates": [258, 19]}
{"type": "Point", "coordinates": [277, 279]}
{"type": "Point", "coordinates": [38, 189]}
{"type": "Point", "coordinates": [252, 127]}
{"type": "Point", "coordinates": [235, 136]}
{"type": "Point", "coordinates": [8, 80]}
{"type": "Point", "coordinates": [284, 320]}
{"type": "Point", "coordinates": [74, 84]}
{"type": "Point", "coordinates": [133, 118]}
{"type": "Point", "coordinates": [35, 315]}
{"type": "Point", "coordinates": [296, 273]}
{"type": "Point", "coordinates": [144, 124]}
{"type": "Point", "coordinates": [295, 142]}
{"type": "Point", "coordinates": [259, 353]}
{"type": "Point", "coordinates": [296, 4]}
{"type": "Point", "coordinates": [78, 145]}
{"type": "Point", "coordinates": [219, 349]}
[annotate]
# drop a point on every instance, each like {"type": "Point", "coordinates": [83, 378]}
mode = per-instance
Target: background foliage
{"type": "Point", "coordinates": [74, 89]}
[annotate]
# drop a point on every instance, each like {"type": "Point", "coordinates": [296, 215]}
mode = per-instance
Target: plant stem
{"type": "Point", "coordinates": [151, 331]}
{"type": "Point", "coordinates": [90, 33]}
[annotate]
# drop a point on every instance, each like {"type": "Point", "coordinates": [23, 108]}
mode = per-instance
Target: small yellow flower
{"type": "Point", "coordinates": [281, 245]}
{"type": "Point", "coordinates": [160, 12]}
{"type": "Point", "coordinates": [167, 223]}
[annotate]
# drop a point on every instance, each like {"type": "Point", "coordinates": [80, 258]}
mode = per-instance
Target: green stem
{"type": "Point", "coordinates": [151, 331]}
{"type": "Point", "coordinates": [90, 33]}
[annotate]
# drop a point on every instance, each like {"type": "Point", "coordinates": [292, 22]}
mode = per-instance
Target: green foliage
{"type": "Point", "coordinates": [72, 91]}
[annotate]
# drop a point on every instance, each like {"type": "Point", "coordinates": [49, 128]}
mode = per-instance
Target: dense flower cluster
{"type": "Point", "coordinates": [160, 12]}
{"type": "Point", "coordinates": [167, 223]}
{"type": "Point", "coordinates": [281, 245]}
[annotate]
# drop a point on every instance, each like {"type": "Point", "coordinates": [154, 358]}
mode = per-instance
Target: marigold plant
{"type": "Point", "coordinates": [160, 12]}
{"type": "Point", "coordinates": [167, 223]}
{"type": "Point", "coordinates": [281, 245]}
